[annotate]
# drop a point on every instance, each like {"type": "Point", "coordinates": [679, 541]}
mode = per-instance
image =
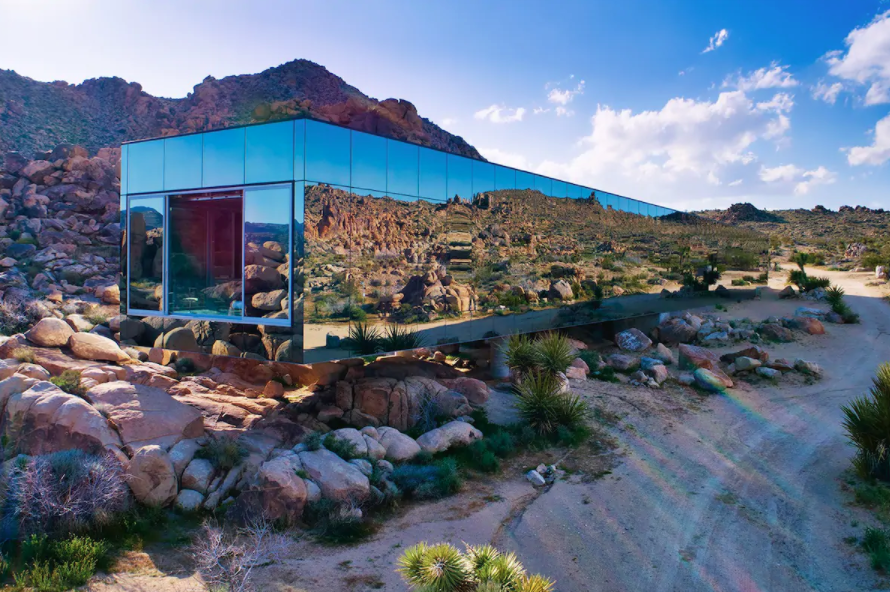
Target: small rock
{"type": "Point", "coordinates": [623, 362]}
{"type": "Point", "coordinates": [633, 340]}
{"type": "Point", "coordinates": [189, 500]}
{"type": "Point", "coordinates": [363, 466]}
{"type": "Point", "coordinates": [809, 368]}
{"type": "Point", "coordinates": [768, 372]}
{"type": "Point", "coordinates": [663, 353]}
{"type": "Point", "coordinates": [709, 381]}
{"type": "Point", "coordinates": [686, 378]}
{"type": "Point", "coordinates": [535, 478]}
{"type": "Point", "coordinates": [743, 364]}
{"type": "Point", "coordinates": [455, 433]}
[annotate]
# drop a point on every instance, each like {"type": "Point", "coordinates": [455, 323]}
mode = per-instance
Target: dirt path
{"type": "Point", "coordinates": [727, 493]}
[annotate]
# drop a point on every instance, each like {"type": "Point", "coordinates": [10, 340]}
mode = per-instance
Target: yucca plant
{"type": "Point", "coordinates": [443, 568]}
{"type": "Point", "coordinates": [834, 295]}
{"type": "Point", "coordinates": [363, 339]}
{"type": "Point", "coordinates": [521, 354]}
{"type": "Point", "coordinates": [867, 423]}
{"type": "Point", "coordinates": [545, 408]}
{"type": "Point", "coordinates": [397, 338]}
{"type": "Point", "coordinates": [555, 353]}
{"type": "Point", "coordinates": [801, 259]}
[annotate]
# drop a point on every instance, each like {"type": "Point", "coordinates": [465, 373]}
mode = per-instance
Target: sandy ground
{"type": "Point", "coordinates": [742, 492]}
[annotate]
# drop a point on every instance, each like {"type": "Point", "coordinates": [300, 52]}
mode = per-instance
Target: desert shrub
{"type": "Point", "coordinates": [56, 565]}
{"type": "Point", "coordinates": [223, 453]}
{"type": "Point", "coordinates": [606, 374]}
{"type": "Point", "coordinates": [337, 523]}
{"type": "Point", "coordinates": [521, 354]}
{"type": "Point", "coordinates": [185, 366]}
{"type": "Point", "coordinates": [398, 338]}
{"type": "Point", "coordinates": [363, 339]}
{"type": "Point", "coordinates": [226, 558]}
{"type": "Point", "coordinates": [876, 543]}
{"type": "Point", "coordinates": [544, 408]}
{"type": "Point", "coordinates": [815, 282]}
{"type": "Point", "coordinates": [354, 312]}
{"type": "Point", "coordinates": [867, 424]}
{"type": "Point", "coordinates": [738, 282]}
{"type": "Point", "coordinates": [96, 317]}
{"type": "Point", "coordinates": [69, 381]}
{"type": "Point", "coordinates": [18, 319]}
{"type": "Point", "coordinates": [439, 479]}
{"type": "Point", "coordinates": [25, 355]}
{"type": "Point", "coordinates": [63, 492]}
{"type": "Point", "coordinates": [592, 358]}
{"type": "Point", "coordinates": [555, 353]}
{"type": "Point", "coordinates": [313, 441]}
{"type": "Point", "coordinates": [443, 568]}
{"type": "Point", "coordinates": [341, 447]}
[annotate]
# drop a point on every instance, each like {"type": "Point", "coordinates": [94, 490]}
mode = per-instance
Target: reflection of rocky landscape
{"type": "Point", "coordinates": [507, 251]}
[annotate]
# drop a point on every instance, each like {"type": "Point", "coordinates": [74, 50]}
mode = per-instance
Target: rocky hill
{"type": "Point", "coordinates": [103, 112]}
{"type": "Point", "coordinates": [814, 227]}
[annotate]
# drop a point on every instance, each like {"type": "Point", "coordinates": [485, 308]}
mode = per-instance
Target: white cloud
{"type": "Point", "coordinates": [803, 180]}
{"type": "Point", "coordinates": [506, 158]}
{"type": "Point", "coordinates": [819, 176]}
{"type": "Point", "coordinates": [689, 151]}
{"type": "Point", "coordinates": [773, 76]}
{"type": "Point", "coordinates": [717, 40]}
{"type": "Point", "coordinates": [500, 114]}
{"type": "Point", "coordinates": [539, 110]}
{"type": "Point", "coordinates": [562, 111]}
{"type": "Point", "coordinates": [827, 92]}
{"type": "Point", "coordinates": [563, 97]}
{"type": "Point", "coordinates": [867, 60]}
{"type": "Point", "coordinates": [879, 151]}
{"type": "Point", "coordinates": [448, 121]}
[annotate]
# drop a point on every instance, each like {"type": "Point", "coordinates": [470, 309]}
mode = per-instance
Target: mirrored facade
{"type": "Point", "coordinates": [295, 240]}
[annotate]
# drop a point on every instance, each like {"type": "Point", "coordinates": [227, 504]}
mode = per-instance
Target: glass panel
{"type": "Point", "coordinates": [463, 263]}
{"type": "Point", "coordinates": [124, 255]}
{"type": "Point", "coordinates": [205, 251]}
{"type": "Point", "coordinates": [368, 161]}
{"type": "Point", "coordinates": [146, 234]}
{"type": "Point", "coordinates": [327, 286]}
{"type": "Point", "coordinates": [270, 153]}
{"type": "Point", "coordinates": [543, 184]}
{"type": "Point", "coordinates": [267, 212]}
{"type": "Point", "coordinates": [145, 167]}
{"type": "Point", "coordinates": [402, 168]}
{"type": "Point", "coordinates": [504, 178]}
{"type": "Point", "coordinates": [525, 180]}
{"type": "Point", "coordinates": [300, 150]}
{"type": "Point", "coordinates": [574, 191]}
{"type": "Point", "coordinates": [224, 158]}
{"type": "Point", "coordinates": [124, 151]}
{"type": "Point", "coordinates": [460, 177]}
{"type": "Point", "coordinates": [182, 156]}
{"type": "Point", "coordinates": [483, 177]}
{"type": "Point", "coordinates": [295, 352]}
{"type": "Point", "coordinates": [327, 153]}
{"type": "Point", "coordinates": [433, 174]}
{"type": "Point", "coordinates": [559, 189]}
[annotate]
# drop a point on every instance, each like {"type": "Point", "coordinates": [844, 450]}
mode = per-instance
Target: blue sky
{"type": "Point", "coordinates": [788, 107]}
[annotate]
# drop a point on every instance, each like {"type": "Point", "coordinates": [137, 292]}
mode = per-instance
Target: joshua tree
{"type": "Point", "coordinates": [801, 259]}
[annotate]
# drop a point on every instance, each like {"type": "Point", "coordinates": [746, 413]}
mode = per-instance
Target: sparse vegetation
{"type": "Point", "coordinates": [25, 355]}
{"type": "Point", "coordinates": [16, 319]}
{"type": "Point", "coordinates": [226, 558]}
{"type": "Point", "coordinates": [398, 338]}
{"type": "Point", "coordinates": [341, 447]}
{"type": "Point", "coordinates": [438, 479]}
{"type": "Point", "coordinates": [364, 339]}
{"type": "Point", "coordinates": [443, 568]}
{"type": "Point", "coordinates": [876, 543]}
{"type": "Point", "coordinates": [545, 408]}
{"type": "Point", "coordinates": [223, 453]}
{"type": "Point", "coordinates": [549, 354]}
{"type": "Point", "coordinates": [867, 423]}
{"type": "Point", "coordinates": [69, 381]}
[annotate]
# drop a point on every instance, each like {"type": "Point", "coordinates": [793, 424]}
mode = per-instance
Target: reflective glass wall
{"type": "Point", "coordinates": [305, 241]}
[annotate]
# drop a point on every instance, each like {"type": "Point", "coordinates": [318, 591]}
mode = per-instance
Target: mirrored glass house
{"type": "Point", "coordinates": [276, 241]}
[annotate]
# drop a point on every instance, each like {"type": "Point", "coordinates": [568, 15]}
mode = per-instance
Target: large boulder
{"type": "Point", "coordinates": [807, 325]}
{"type": "Point", "coordinates": [338, 479]}
{"type": "Point", "coordinates": [676, 330]}
{"type": "Point", "coordinates": [198, 475]}
{"type": "Point", "coordinates": [182, 454]}
{"type": "Point", "coordinates": [179, 339]}
{"type": "Point", "coordinates": [281, 494]}
{"type": "Point", "coordinates": [455, 433]}
{"type": "Point", "coordinates": [90, 346]}
{"type": "Point", "coordinates": [146, 415]}
{"type": "Point", "coordinates": [151, 477]}
{"type": "Point", "coordinates": [44, 419]}
{"type": "Point", "coordinates": [50, 332]}
{"type": "Point", "coordinates": [776, 332]}
{"type": "Point", "coordinates": [561, 290]}
{"type": "Point", "coordinates": [633, 340]}
{"type": "Point", "coordinates": [399, 447]}
{"type": "Point", "coordinates": [475, 391]}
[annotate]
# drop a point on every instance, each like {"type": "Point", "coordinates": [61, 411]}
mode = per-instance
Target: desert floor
{"type": "Point", "coordinates": [737, 492]}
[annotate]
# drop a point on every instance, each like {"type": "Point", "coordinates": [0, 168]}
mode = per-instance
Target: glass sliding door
{"type": "Point", "coordinates": [146, 254]}
{"type": "Point", "coordinates": [267, 215]}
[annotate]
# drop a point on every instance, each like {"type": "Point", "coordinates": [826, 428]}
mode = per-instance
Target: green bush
{"type": "Point", "coordinates": [876, 542]}
{"type": "Point", "coordinates": [813, 283]}
{"type": "Point", "coordinates": [867, 424]}
{"type": "Point", "coordinates": [69, 381]}
{"type": "Point", "coordinates": [436, 480]}
{"type": "Point", "coordinates": [341, 447]}
{"type": "Point", "coordinates": [223, 453]}
{"type": "Point", "coordinates": [54, 566]}
{"type": "Point", "coordinates": [521, 354]}
{"type": "Point", "coordinates": [336, 522]}
{"type": "Point", "coordinates": [544, 408]}
{"type": "Point", "coordinates": [555, 353]}
{"type": "Point", "coordinates": [363, 339]}
{"type": "Point", "coordinates": [398, 338]}
{"type": "Point", "coordinates": [443, 568]}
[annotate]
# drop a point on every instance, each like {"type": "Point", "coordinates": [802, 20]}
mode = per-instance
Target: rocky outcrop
{"type": "Point", "coordinates": [90, 346]}
{"type": "Point", "coordinates": [151, 477]}
{"type": "Point", "coordinates": [50, 332]}
{"type": "Point", "coordinates": [338, 479]}
{"type": "Point", "coordinates": [146, 415]}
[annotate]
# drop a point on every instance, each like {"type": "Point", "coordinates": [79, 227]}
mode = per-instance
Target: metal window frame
{"type": "Point", "coordinates": [165, 275]}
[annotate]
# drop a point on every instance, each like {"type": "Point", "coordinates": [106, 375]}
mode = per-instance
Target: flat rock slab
{"type": "Point", "coordinates": [146, 415]}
